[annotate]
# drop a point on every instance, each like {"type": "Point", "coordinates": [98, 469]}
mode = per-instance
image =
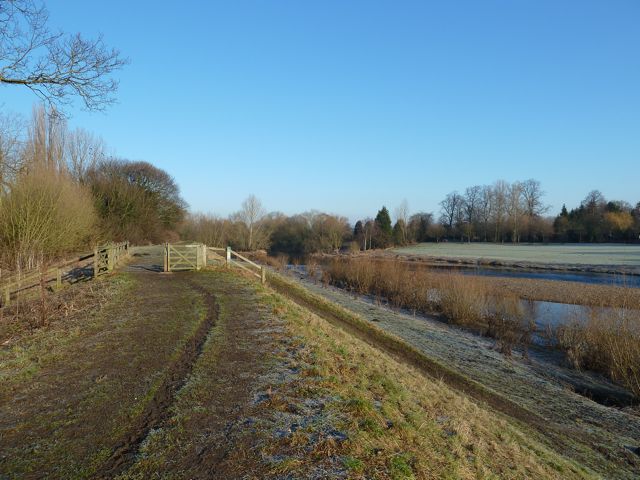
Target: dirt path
{"type": "Point", "coordinates": [607, 438]}
{"type": "Point", "coordinates": [157, 410]}
{"type": "Point", "coordinates": [173, 377]}
{"type": "Point", "coordinates": [111, 376]}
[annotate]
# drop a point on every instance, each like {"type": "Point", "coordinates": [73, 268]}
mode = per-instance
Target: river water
{"type": "Point", "coordinates": [581, 277]}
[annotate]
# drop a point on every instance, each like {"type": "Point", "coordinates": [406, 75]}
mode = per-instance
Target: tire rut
{"type": "Point", "coordinates": [157, 411]}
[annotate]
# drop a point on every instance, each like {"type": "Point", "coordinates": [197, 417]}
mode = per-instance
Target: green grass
{"type": "Point", "coordinates": [606, 254]}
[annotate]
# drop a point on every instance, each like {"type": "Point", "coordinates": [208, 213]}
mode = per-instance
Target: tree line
{"type": "Point", "coordinates": [502, 212]}
{"type": "Point", "coordinates": [515, 212]}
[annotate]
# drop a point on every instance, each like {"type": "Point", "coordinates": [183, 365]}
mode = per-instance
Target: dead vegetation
{"type": "Point", "coordinates": [608, 341]}
{"type": "Point", "coordinates": [464, 301]}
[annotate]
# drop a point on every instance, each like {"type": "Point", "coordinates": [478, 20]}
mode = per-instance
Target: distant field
{"type": "Point", "coordinates": [606, 254]}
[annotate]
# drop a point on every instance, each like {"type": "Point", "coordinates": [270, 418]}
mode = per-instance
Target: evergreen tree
{"type": "Point", "coordinates": [563, 212]}
{"type": "Point", "coordinates": [398, 233]}
{"type": "Point", "coordinates": [383, 230]}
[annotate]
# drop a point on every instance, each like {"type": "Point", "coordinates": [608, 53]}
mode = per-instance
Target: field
{"type": "Point", "coordinates": [571, 254]}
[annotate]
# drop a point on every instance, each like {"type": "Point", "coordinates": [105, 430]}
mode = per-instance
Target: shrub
{"type": "Point", "coordinates": [44, 215]}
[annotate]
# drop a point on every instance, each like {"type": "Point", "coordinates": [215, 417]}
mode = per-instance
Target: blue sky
{"type": "Point", "coordinates": [344, 106]}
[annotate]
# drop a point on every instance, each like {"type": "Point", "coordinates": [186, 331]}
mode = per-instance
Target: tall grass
{"type": "Point", "coordinates": [464, 301]}
{"type": "Point", "coordinates": [608, 341]}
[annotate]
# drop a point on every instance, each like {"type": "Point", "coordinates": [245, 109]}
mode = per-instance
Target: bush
{"type": "Point", "coordinates": [44, 215]}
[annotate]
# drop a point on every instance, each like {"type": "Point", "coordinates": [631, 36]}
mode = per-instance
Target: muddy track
{"type": "Point", "coordinates": [405, 353]}
{"type": "Point", "coordinates": [157, 411]}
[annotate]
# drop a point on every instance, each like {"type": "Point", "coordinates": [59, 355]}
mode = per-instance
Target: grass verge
{"type": "Point", "coordinates": [400, 425]}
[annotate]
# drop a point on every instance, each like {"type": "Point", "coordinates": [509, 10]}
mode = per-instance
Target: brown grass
{"type": "Point", "coordinates": [465, 301]}
{"type": "Point", "coordinates": [608, 342]}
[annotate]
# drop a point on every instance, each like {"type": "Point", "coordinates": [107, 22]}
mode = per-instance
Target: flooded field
{"type": "Point", "coordinates": [566, 254]}
{"type": "Point", "coordinates": [580, 277]}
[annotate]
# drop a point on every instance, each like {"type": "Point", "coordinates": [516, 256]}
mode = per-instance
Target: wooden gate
{"type": "Point", "coordinates": [180, 257]}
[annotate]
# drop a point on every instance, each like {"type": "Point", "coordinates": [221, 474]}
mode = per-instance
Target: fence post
{"type": "Point", "coordinates": [7, 296]}
{"type": "Point", "coordinates": [263, 275]}
{"type": "Point", "coordinates": [228, 256]}
{"type": "Point", "coordinates": [110, 254]}
{"type": "Point", "coordinates": [95, 262]}
{"type": "Point", "coordinates": [167, 257]}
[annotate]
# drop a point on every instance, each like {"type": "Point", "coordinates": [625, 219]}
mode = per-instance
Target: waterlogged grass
{"type": "Point", "coordinates": [607, 254]}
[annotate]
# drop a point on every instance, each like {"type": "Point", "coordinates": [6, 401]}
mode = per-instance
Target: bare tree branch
{"type": "Point", "coordinates": [56, 67]}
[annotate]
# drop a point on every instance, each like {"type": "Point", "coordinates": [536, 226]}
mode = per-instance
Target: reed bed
{"type": "Point", "coordinates": [464, 301]}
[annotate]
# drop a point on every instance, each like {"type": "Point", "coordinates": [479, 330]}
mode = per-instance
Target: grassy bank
{"type": "Point", "coordinates": [400, 425]}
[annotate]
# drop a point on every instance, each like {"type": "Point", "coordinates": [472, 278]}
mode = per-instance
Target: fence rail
{"type": "Point", "coordinates": [179, 257]}
{"type": "Point", "coordinates": [105, 258]}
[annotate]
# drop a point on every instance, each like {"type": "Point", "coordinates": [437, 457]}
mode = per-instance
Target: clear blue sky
{"type": "Point", "coordinates": [344, 106]}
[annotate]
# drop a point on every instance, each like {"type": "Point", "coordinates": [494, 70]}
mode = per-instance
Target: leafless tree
{"type": "Point", "coordinates": [470, 207]}
{"type": "Point", "coordinates": [55, 66]}
{"type": "Point", "coordinates": [251, 214]}
{"type": "Point", "coordinates": [486, 208]}
{"type": "Point", "coordinates": [402, 215]}
{"type": "Point", "coordinates": [532, 195]}
{"type": "Point", "coordinates": [11, 128]}
{"type": "Point", "coordinates": [500, 192]}
{"type": "Point", "coordinates": [46, 140]}
{"type": "Point", "coordinates": [83, 152]}
{"type": "Point", "coordinates": [450, 207]}
{"type": "Point", "coordinates": [515, 208]}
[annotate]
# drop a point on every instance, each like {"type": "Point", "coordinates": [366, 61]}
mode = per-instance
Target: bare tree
{"type": "Point", "coordinates": [83, 152]}
{"type": "Point", "coordinates": [515, 208]}
{"type": "Point", "coordinates": [486, 208]}
{"type": "Point", "coordinates": [470, 207]}
{"type": "Point", "coordinates": [402, 217]}
{"type": "Point", "coordinates": [450, 208]}
{"type": "Point", "coordinates": [11, 141]}
{"type": "Point", "coordinates": [55, 66]}
{"type": "Point", "coordinates": [532, 195]}
{"type": "Point", "coordinates": [500, 192]}
{"type": "Point", "coordinates": [46, 140]}
{"type": "Point", "coordinates": [251, 214]}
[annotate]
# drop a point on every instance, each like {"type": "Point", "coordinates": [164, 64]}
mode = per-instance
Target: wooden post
{"type": "Point", "coordinates": [95, 262]}
{"type": "Point", "coordinates": [228, 256]}
{"type": "Point", "coordinates": [58, 278]}
{"type": "Point", "coordinates": [263, 275]}
{"type": "Point", "coordinates": [167, 258]}
{"type": "Point", "coordinates": [7, 297]}
{"type": "Point", "coordinates": [110, 257]}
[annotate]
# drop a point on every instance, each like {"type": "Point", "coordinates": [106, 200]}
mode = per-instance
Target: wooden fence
{"type": "Point", "coordinates": [245, 264]}
{"type": "Point", "coordinates": [180, 257]}
{"type": "Point", "coordinates": [105, 258]}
